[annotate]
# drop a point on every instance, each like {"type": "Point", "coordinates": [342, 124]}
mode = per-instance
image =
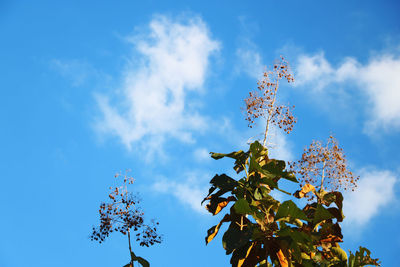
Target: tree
{"type": "Point", "coordinates": [123, 214]}
{"type": "Point", "coordinates": [263, 231]}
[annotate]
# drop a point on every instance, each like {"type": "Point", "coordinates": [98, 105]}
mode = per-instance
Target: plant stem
{"type": "Point", "coordinates": [266, 130]}
{"type": "Point", "coordinates": [270, 113]}
{"type": "Point", "coordinates": [130, 248]}
{"type": "Point", "coordinates": [323, 176]}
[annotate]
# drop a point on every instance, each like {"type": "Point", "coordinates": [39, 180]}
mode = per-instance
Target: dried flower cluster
{"type": "Point", "coordinates": [262, 103]}
{"type": "Point", "coordinates": [122, 214]}
{"type": "Point", "coordinates": [324, 167]}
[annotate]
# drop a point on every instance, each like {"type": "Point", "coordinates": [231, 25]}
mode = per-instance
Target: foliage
{"type": "Point", "coordinates": [262, 231]}
{"type": "Point", "coordinates": [123, 214]}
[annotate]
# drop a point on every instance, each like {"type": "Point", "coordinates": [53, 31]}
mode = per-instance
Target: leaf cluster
{"type": "Point", "coordinates": [262, 231]}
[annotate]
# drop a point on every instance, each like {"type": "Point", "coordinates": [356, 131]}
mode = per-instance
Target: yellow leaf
{"type": "Point", "coordinates": [211, 237]}
{"type": "Point", "coordinates": [306, 188]}
{"type": "Point", "coordinates": [220, 206]}
{"type": "Point", "coordinates": [216, 229]}
{"type": "Point", "coordinates": [282, 259]}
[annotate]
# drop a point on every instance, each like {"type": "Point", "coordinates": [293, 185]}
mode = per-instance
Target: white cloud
{"type": "Point", "coordinates": [313, 69]}
{"type": "Point", "coordinates": [249, 62]}
{"type": "Point", "coordinates": [189, 192]}
{"type": "Point", "coordinates": [375, 191]}
{"type": "Point", "coordinates": [201, 154]}
{"type": "Point", "coordinates": [378, 80]}
{"type": "Point", "coordinates": [174, 59]}
{"type": "Point", "coordinates": [278, 145]}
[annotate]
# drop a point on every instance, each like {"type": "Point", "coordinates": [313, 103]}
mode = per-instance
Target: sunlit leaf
{"type": "Point", "coordinates": [304, 190]}
{"type": "Point", "coordinates": [289, 209]}
{"type": "Point", "coordinates": [282, 259]}
{"type": "Point", "coordinates": [218, 203]}
{"type": "Point", "coordinates": [261, 193]}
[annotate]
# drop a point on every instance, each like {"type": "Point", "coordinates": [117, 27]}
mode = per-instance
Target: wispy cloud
{"type": "Point", "coordinates": [378, 80]}
{"type": "Point", "coordinates": [201, 154]}
{"type": "Point", "coordinates": [189, 192]}
{"type": "Point", "coordinates": [78, 72]}
{"type": "Point", "coordinates": [375, 191]}
{"type": "Point", "coordinates": [279, 146]}
{"type": "Point", "coordinates": [249, 61]}
{"type": "Point", "coordinates": [153, 105]}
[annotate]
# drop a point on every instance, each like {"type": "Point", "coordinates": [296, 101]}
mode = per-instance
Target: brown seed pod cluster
{"type": "Point", "coordinates": [324, 167]}
{"type": "Point", "coordinates": [262, 102]}
{"type": "Point", "coordinates": [123, 214]}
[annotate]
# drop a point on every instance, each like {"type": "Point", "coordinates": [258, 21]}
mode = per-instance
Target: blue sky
{"type": "Point", "coordinates": [91, 88]}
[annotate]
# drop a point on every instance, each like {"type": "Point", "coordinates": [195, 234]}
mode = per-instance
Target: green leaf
{"type": "Point", "coordinates": [336, 197]}
{"type": "Point", "coordinates": [261, 192]}
{"type": "Point", "coordinates": [339, 253]}
{"type": "Point", "coordinates": [242, 206]}
{"type": "Point", "coordinates": [273, 185]}
{"type": "Point", "coordinates": [338, 214]}
{"type": "Point", "coordinates": [288, 209]}
{"type": "Point", "coordinates": [289, 176]}
{"type": "Point", "coordinates": [239, 156]}
{"type": "Point", "coordinates": [257, 149]}
{"type": "Point", "coordinates": [329, 229]}
{"type": "Point", "coordinates": [321, 214]}
{"type": "Point", "coordinates": [258, 194]}
{"type": "Point", "coordinates": [294, 238]}
{"type": "Point", "coordinates": [245, 256]}
{"type": "Point", "coordinates": [362, 258]}
{"type": "Point", "coordinates": [254, 166]}
{"type": "Point", "coordinates": [142, 261]}
{"type": "Point", "coordinates": [295, 234]}
{"type": "Point", "coordinates": [234, 155]}
{"type": "Point", "coordinates": [235, 238]}
{"type": "Point", "coordinates": [268, 202]}
{"type": "Point", "coordinates": [223, 182]}
{"type": "Point", "coordinates": [276, 169]}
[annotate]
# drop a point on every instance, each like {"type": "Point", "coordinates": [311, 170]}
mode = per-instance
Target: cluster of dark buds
{"type": "Point", "coordinates": [123, 214]}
